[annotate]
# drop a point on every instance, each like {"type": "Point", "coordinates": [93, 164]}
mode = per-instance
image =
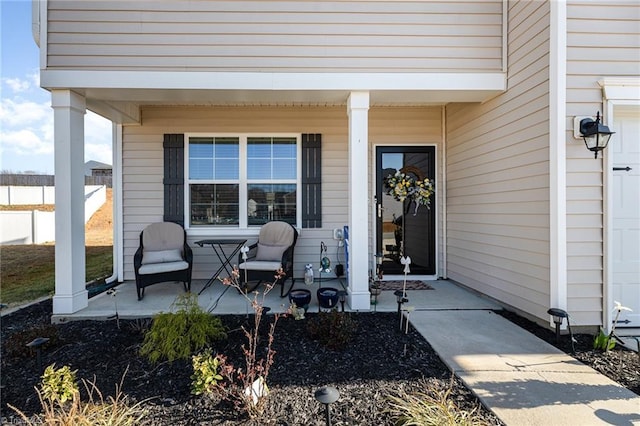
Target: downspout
{"type": "Point", "coordinates": [118, 232]}
{"type": "Point", "coordinates": [505, 34]}
{"type": "Point", "coordinates": [558, 294]}
{"type": "Point", "coordinates": [35, 21]}
{"type": "Point", "coordinates": [116, 185]}
{"type": "Point", "coordinates": [39, 27]}
{"type": "Point", "coordinates": [443, 190]}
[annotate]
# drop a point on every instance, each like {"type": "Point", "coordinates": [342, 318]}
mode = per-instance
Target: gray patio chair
{"type": "Point", "coordinates": [273, 250]}
{"type": "Point", "coordinates": [163, 255]}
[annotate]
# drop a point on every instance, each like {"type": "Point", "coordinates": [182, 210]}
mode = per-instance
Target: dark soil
{"type": "Point", "coordinates": [378, 362]}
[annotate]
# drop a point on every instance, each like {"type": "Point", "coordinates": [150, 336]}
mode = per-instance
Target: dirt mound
{"type": "Point", "coordinates": [99, 229]}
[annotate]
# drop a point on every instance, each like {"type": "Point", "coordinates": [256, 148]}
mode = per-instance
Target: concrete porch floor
{"type": "Point", "coordinates": [222, 300]}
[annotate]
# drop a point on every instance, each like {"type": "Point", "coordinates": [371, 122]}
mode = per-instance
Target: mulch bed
{"type": "Point", "coordinates": [378, 362]}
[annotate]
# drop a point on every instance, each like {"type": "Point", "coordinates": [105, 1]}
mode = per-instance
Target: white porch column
{"type": "Point", "coordinates": [358, 110]}
{"type": "Point", "coordinates": [69, 109]}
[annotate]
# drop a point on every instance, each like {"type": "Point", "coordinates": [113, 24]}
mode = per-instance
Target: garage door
{"type": "Point", "coordinates": [625, 146]}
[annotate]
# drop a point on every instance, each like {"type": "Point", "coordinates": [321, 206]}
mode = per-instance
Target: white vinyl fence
{"type": "Point", "coordinates": [37, 227]}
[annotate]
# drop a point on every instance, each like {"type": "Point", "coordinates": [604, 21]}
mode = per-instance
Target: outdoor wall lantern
{"type": "Point", "coordinates": [595, 134]}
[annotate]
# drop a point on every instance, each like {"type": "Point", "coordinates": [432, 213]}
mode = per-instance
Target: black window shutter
{"type": "Point", "coordinates": [173, 178]}
{"type": "Point", "coordinates": [311, 181]}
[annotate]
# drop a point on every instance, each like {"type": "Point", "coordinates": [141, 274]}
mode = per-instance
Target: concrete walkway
{"type": "Point", "coordinates": [521, 378]}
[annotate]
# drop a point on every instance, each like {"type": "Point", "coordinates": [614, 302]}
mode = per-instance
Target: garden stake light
{"type": "Point", "coordinates": [37, 345]}
{"type": "Point", "coordinates": [327, 395]}
{"type": "Point", "coordinates": [342, 295]}
{"type": "Point", "coordinates": [406, 261]}
{"type": "Point", "coordinates": [406, 312]}
{"type": "Point", "coordinates": [112, 292]}
{"type": "Point", "coordinates": [400, 299]}
{"type": "Point", "coordinates": [558, 316]}
{"type": "Point", "coordinates": [245, 255]}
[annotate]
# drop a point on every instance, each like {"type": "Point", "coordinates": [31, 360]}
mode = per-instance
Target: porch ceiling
{"type": "Point", "coordinates": [123, 105]}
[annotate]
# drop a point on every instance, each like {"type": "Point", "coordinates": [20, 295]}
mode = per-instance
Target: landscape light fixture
{"type": "Point", "coordinates": [400, 299]}
{"type": "Point", "coordinates": [342, 296]}
{"type": "Point", "coordinates": [327, 395]}
{"type": "Point", "coordinates": [558, 316]}
{"type": "Point", "coordinates": [595, 134]}
{"type": "Point", "coordinates": [37, 345]}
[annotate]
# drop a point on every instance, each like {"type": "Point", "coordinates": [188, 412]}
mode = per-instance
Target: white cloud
{"type": "Point", "coordinates": [25, 142]}
{"type": "Point", "coordinates": [28, 83]}
{"type": "Point", "coordinates": [26, 130]}
{"type": "Point", "coordinates": [27, 127]}
{"type": "Point", "coordinates": [17, 112]}
{"type": "Point", "coordinates": [17, 84]}
{"type": "Point", "coordinates": [97, 138]}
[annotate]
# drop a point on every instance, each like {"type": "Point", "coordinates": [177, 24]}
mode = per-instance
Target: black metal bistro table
{"type": "Point", "coordinates": [225, 257]}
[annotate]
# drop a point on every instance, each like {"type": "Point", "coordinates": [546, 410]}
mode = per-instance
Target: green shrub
{"type": "Point", "coordinates": [205, 372]}
{"type": "Point", "coordinates": [58, 385]}
{"type": "Point", "coordinates": [333, 329]}
{"type": "Point", "coordinates": [603, 342]}
{"type": "Point", "coordinates": [433, 407]}
{"type": "Point", "coordinates": [179, 334]}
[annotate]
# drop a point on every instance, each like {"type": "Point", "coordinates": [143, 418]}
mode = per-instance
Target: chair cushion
{"type": "Point", "coordinates": [276, 234]}
{"type": "Point", "coordinates": [159, 268]}
{"type": "Point", "coordinates": [161, 256]}
{"type": "Point", "coordinates": [163, 236]}
{"type": "Point", "coordinates": [270, 252]}
{"type": "Point", "coordinates": [260, 265]}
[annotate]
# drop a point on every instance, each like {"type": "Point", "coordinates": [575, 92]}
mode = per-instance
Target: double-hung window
{"type": "Point", "coordinates": [241, 181]}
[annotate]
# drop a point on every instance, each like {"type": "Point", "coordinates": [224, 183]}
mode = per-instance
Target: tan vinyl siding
{"type": "Point", "coordinates": [276, 36]}
{"type": "Point", "coordinates": [143, 165]}
{"type": "Point", "coordinates": [603, 40]}
{"type": "Point", "coordinates": [498, 175]}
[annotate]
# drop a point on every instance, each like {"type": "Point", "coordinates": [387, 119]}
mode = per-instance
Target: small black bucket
{"type": "Point", "coordinates": [301, 297]}
{"type": "Point", "coordinates": [328, 297]}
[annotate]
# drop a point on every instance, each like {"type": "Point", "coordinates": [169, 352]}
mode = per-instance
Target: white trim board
{"type": "Point", "coordinates": [270, 81]}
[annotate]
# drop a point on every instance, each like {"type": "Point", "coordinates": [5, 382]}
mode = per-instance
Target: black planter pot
{"type": "Point", "coordinates": [328, 297]}
{"type": "Point", "coordinates": [301, 297]}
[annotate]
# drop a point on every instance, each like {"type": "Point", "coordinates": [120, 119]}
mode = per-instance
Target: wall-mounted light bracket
{"type": "Point", "coordinates": [595, 134]}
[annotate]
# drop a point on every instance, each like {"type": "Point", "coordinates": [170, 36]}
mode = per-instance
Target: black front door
{"type": "Point", "coordinates": [401, 228]}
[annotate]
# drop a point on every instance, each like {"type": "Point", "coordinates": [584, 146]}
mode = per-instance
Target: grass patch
{"type": "Point", "coordinates": [432, 406]}
{"type": "Point", "coordinates": [28, 271]}
{"type": "Point", "coordinates": [61, 404]}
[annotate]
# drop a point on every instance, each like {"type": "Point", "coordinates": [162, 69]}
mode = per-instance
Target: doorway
{"type": "Point", "coordinates": [404, 228]}
{"type": "Point", "coordinates": [626, 217]}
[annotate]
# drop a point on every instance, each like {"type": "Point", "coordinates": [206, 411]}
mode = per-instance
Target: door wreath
{"type": "Point", "coordinates": [410, 184]}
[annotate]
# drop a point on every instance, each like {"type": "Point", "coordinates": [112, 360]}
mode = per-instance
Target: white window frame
{"type": "Point", "coordinates": [243, 225]}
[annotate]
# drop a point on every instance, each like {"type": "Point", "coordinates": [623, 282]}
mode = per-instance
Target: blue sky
{"type": "Point", "coordinates": [26, 117]}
